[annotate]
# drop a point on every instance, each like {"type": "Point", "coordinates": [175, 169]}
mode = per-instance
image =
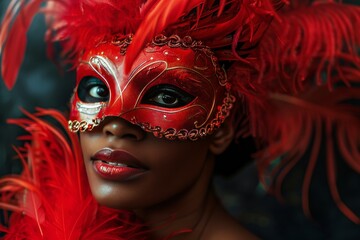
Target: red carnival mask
{"type": "Point", "coordinates": [175, 88]}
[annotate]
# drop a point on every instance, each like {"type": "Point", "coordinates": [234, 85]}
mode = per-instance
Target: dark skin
{"type": "Point", "coordinates": [177, 183]}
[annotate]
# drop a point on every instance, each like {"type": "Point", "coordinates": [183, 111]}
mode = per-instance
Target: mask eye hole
{"type": "Point", "coordinates": [168, 96]}
{"type": "Point", "coordinates": [92, 89]}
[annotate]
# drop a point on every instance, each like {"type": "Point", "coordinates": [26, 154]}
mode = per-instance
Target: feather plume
{"type": "Point", "coordinates": [13, 37]}
{"type": "Point", "coordinates": [156, 19]}
{"type": "Point", "coordinates": [302, 95]}
{"type": "Point", "coordinates": [52, 199]}
{"type": "Point", "coordinates": [318, 41]}
{"type": "Point", "coordinates": [80, 24]}
{"type": "Point", "coordinates": [75, 24]}
{"type": "Point", "coordinates": [209, 21]}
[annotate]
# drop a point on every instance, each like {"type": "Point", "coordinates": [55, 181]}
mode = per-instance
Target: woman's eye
{"type": "Point", "coordinates": [168, 96]}
{"type": "Point", "coordinates": [92, 90]}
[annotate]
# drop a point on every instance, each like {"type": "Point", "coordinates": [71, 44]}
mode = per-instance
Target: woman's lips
{"type": "Point", "coordinates": [117, 165]}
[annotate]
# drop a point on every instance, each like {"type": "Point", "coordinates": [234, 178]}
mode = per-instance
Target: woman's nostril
{"type": "Point", "coordinates": [126, 135]}
{"type": "Point", "coordinates": [130, 136]}
{"type": "Point", "coordinates": [108, 133]}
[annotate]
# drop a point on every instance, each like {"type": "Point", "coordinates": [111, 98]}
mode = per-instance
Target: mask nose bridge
{"type": "Point", "coordinates": [116, 107]}
{"type": "Point", "coordinates": [112, 72]}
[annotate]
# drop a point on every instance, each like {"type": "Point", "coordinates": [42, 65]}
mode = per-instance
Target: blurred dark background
{"type": "Point", "coordinates": [40, 84]}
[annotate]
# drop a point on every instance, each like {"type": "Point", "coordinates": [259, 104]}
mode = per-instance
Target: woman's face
{"type": "Point", "coordinates": [170, 93]}
{"type": "Point", "coordinates": [154, 170]}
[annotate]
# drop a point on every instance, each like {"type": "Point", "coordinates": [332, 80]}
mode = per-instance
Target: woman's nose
{"type": "Point", "coordinates": [120, 128]}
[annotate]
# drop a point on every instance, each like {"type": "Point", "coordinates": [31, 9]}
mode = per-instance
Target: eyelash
{"type": "Point", "coordinates": [89, 87]}
{"type": "Point", "coordinates": [160, 94]}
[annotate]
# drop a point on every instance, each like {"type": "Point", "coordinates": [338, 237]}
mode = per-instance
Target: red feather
{"type": "Point", "coordinates": [300, 98]}
{"type": "Point", "coordinates": [158, 17]}
{"type": "Point", "coordinates": [13, 38]}
{"type": "Point", "coordinates": [311, 41]}
{"type": "Point", "coordinates": [76, 24]}
{"type": "Point", "coordinates": [82, 24]}
{"type": "Point", "coordinates": [51, 199]}
{"type": "Point", "coordinates": [250, 18]}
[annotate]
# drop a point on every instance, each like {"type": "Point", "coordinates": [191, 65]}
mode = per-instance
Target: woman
{"type": "Point", "coordinates": [167, 94]}
{"type": "Point", "coordinates": [162, 89]}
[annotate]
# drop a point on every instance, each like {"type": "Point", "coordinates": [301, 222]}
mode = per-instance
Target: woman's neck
{"type": "Point", "coordinates": [188, 223]}
{"type": "Point", "coordinates": [187, 212]}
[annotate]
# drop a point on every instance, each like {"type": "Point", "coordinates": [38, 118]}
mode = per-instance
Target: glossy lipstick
{"type": "Point", "coordinates": [117, 165]}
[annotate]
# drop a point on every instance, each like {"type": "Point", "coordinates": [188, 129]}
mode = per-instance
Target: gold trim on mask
{"type": "Point", "coordinates": [82, 126]}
